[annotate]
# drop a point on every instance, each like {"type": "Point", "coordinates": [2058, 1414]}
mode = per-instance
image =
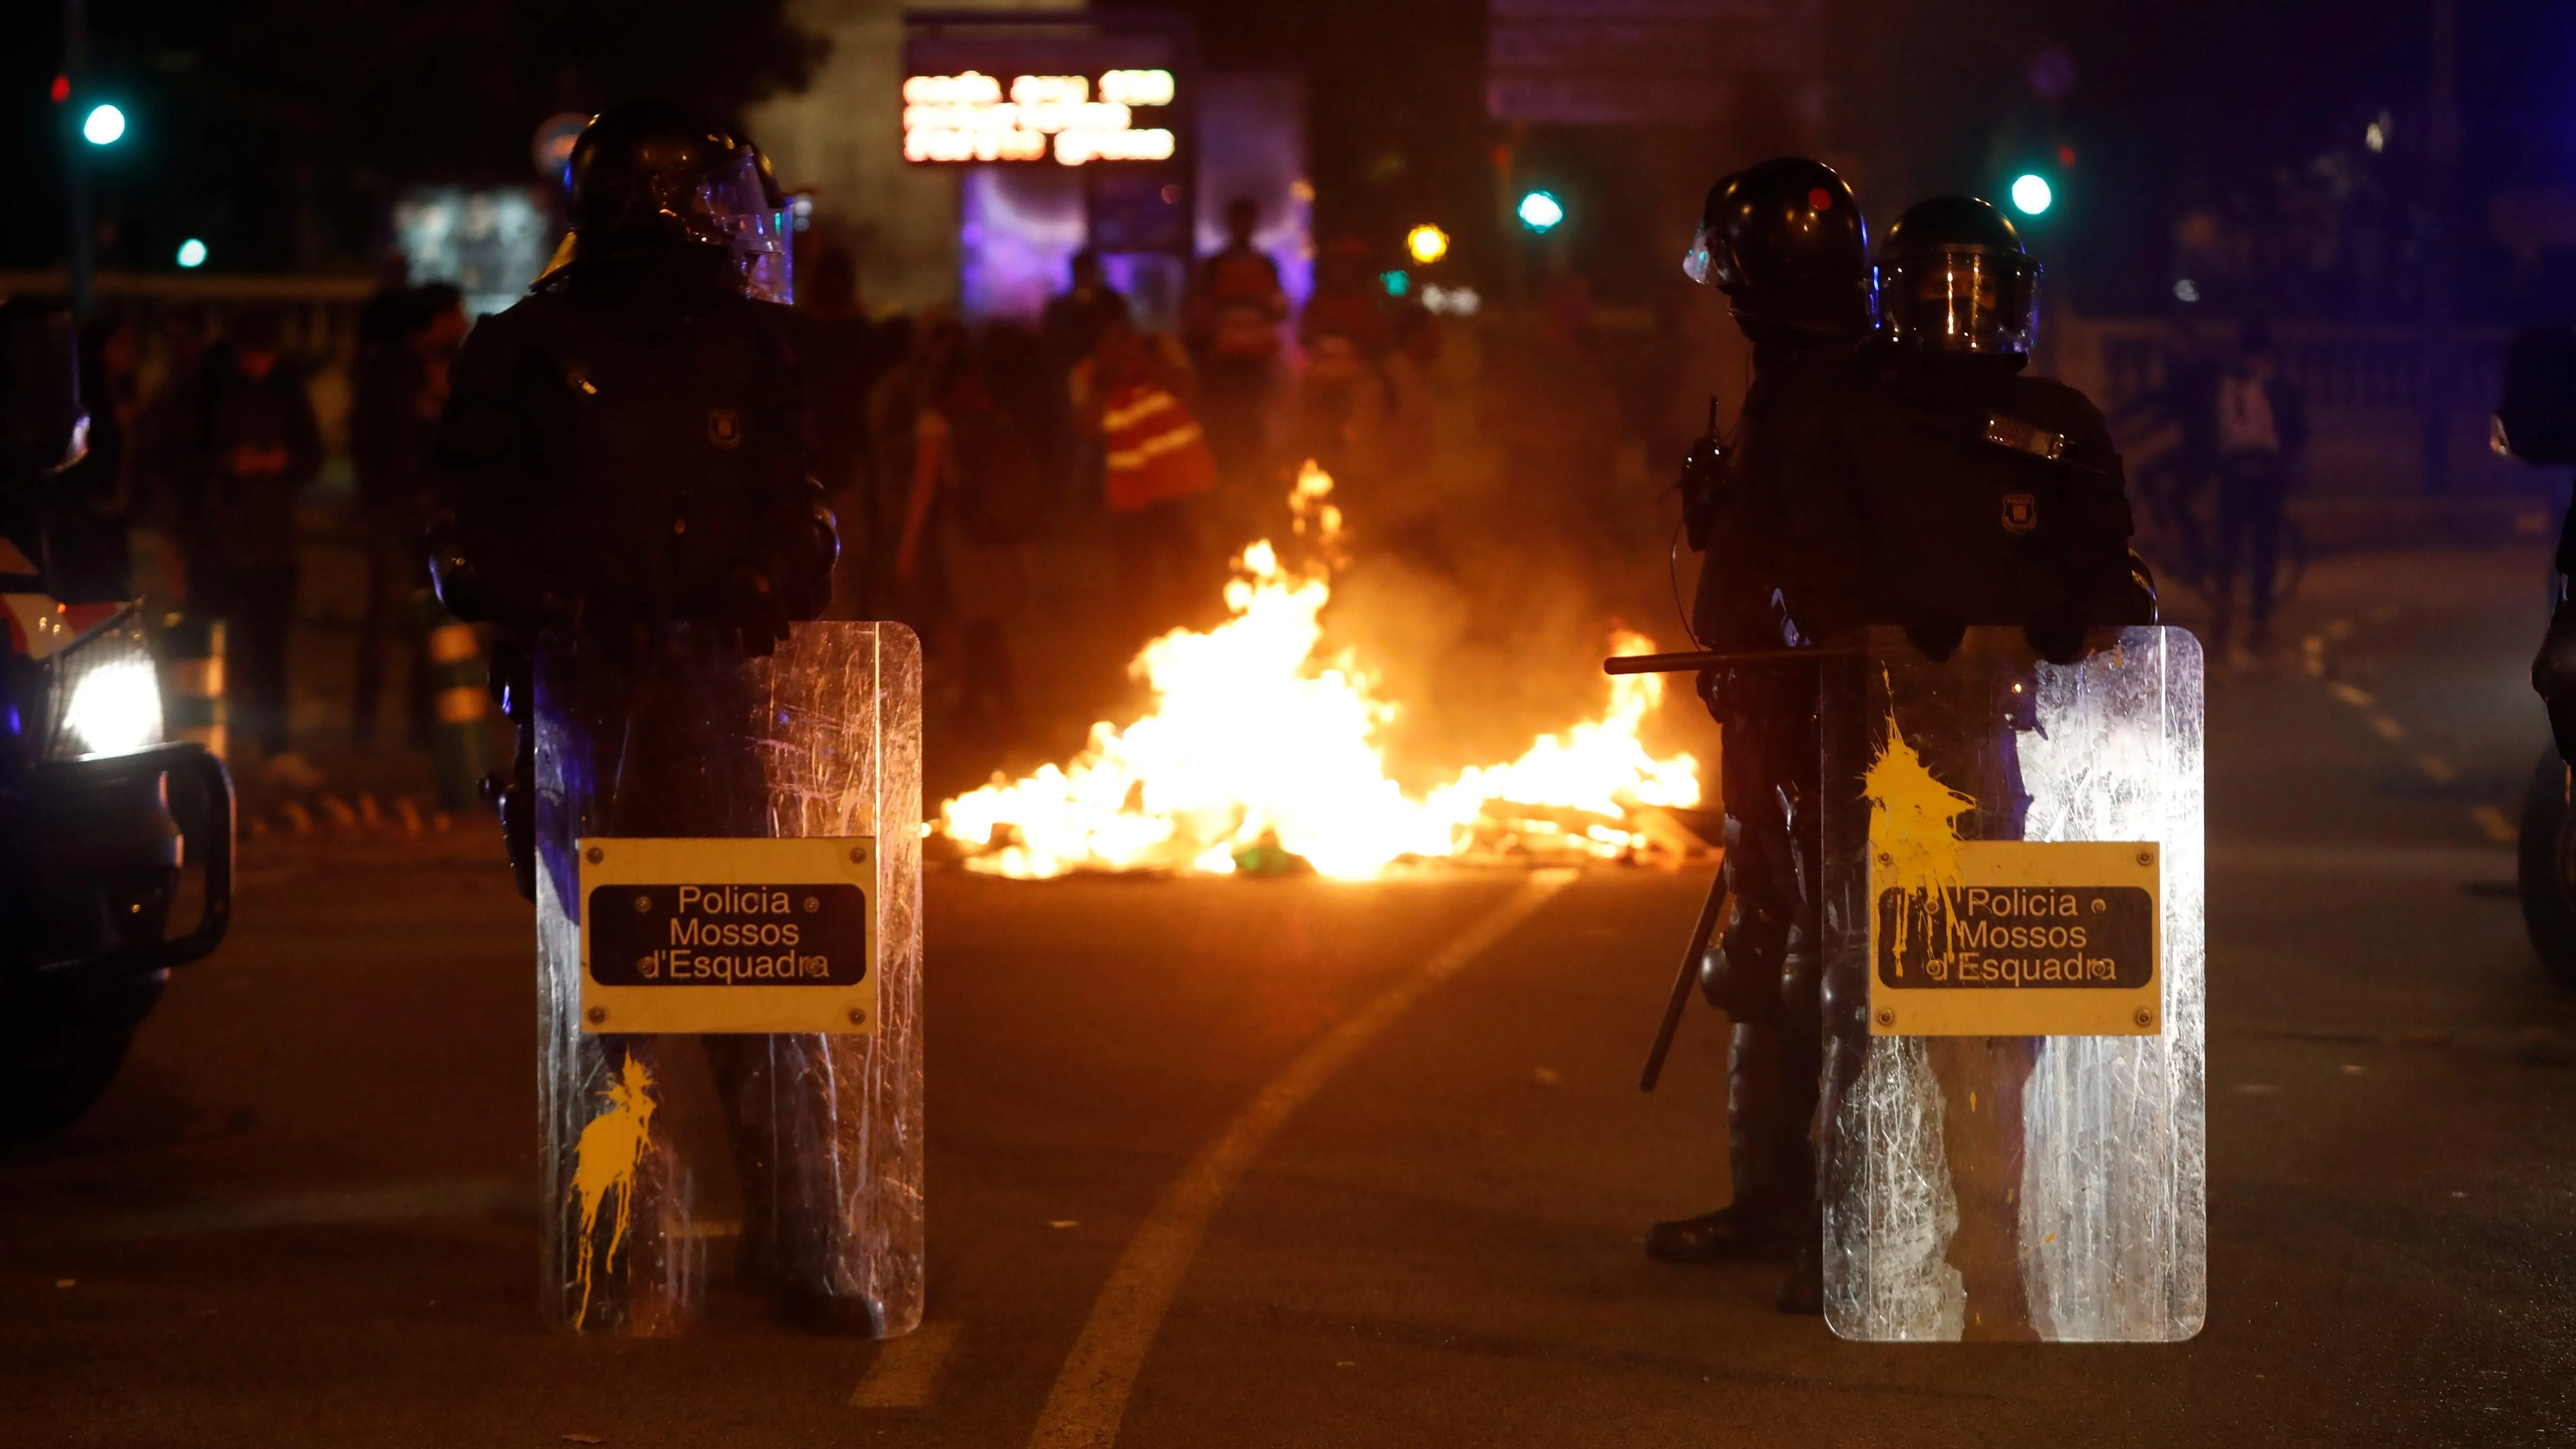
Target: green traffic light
{"type": "Point", "coordinates": [2031, 194]}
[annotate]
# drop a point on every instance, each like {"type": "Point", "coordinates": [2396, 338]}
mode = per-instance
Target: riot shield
{"type": "Point", "coordinates": [728, 942]}
{"type": "Point", "coordinates": [2011, 1133]}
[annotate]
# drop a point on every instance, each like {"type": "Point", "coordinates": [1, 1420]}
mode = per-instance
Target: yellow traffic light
{"type": "Point", "coordinates": [1427, 243]}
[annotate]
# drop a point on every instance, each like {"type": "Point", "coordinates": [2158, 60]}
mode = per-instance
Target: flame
{"type": "Point", "coordinates": [1253, 743]}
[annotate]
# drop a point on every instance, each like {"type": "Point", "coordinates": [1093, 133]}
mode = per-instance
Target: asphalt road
{"type": "Point", "coordinates": [305, 1214]}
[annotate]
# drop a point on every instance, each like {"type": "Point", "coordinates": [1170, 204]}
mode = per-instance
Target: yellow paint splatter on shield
{"type": "Point", "coordinates": [1913, 835]}
{"type": "Point", "coordinates": [612, 1147]}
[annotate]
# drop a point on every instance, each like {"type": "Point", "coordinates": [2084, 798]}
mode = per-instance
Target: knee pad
{"type": "Point", "coordinates": [1741, 976]}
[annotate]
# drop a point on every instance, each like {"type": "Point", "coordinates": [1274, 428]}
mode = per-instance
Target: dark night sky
{"type": "Point", "coordinates": [2177, 101]}
{"type": "Point", "coordinates": [295, 105]}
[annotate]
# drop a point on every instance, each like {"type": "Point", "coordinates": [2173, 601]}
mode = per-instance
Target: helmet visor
{"type": "Point", "coordinates": [1695, 262]}
{"type": "Point", "coordinates": [732, 206]}
{"type": "Point", "coordinates": [1960, 299]}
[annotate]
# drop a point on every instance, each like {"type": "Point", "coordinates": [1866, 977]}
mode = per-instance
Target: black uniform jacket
{"type": "Point", "coordinates": [633, 441]}
{"type": "Point", "coordinates": [1872, 487]}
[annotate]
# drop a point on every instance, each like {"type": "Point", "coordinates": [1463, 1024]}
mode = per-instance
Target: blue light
{"type": "Point", "coordinates": [2030, 194]}
{"type": "Point", "coordinates": [192, 253]}
{"type": "Point", "coordinates": [1397, 282]}
{"type": "Point", "coordinates": [103, 126]}
{"type": "Point", "coordinates": [1540, 211]}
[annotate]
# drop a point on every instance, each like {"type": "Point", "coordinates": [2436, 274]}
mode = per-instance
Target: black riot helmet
{"type": "Point", "coordinates": [653, 177]}
{"type": "Point", "coordinates": [1953, 278]}
{"type": "Point", "coordinates": [1785, 241]}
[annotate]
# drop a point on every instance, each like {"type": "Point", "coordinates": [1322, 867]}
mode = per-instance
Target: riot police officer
{"type": "Point", "coordinates": [1985, 496]}
{"type": "Point", "coordinates": [627, 490]}
{"type": "Point", "coordinates": [627, 447]}
{"type": "Point", "coordinates": [1982, 497]}
{"type": "Point", "coordinates": [1786, 242]}
{"type": "Point", "coordinates": [1917, 479]}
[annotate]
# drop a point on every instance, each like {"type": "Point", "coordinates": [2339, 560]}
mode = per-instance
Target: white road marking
{"type": "Point", "coordinates": [907, 1369]}
{"type": "Point", "coordinates": [2436, 769]}
{"type": "Point", "coordinates": [2387, 729]}
{"type": "Point", "coordinates": [1089, 1400]}
{"type": "Point", "coordinates": [2353, 695]}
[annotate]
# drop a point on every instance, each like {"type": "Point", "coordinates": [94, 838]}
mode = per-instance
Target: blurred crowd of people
{"type": "Point", "coordinates": [954, 454]}
{"type": "Point", "coordinates": [2217, 493]}
{"type": "Point", "coordinates": [215, 457]}
{"type": "Point", "coordinates": [1180, 444]}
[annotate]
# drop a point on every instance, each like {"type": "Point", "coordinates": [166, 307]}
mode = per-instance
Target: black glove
{"type": "Point", "coordinates": [2553, 675]}
{"type": "Point", "coordinates": [751, 615]}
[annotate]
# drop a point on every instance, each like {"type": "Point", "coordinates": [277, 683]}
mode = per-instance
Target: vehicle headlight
{"type": "Point", "coordinates": [108, 694]}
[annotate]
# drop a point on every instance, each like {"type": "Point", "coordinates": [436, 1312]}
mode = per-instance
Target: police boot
{"type": "Point", "coordinates": [1756, 1226]}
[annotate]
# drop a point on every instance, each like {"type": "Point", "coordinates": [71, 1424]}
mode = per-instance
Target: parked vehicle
{"type": "Point", "coordinates": [98, 812]}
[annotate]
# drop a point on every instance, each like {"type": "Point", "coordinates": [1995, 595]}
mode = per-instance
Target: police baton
{"type": "Point", "coordinates": [1712, 914]}
{"type": "Point", "coordinates": [1697, 660]}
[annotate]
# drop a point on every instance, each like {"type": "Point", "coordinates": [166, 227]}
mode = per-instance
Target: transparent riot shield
{"type": "Point", "coordinates": [736, 1132]}
{"type": "Point", "coordinates": [2011, 1133]}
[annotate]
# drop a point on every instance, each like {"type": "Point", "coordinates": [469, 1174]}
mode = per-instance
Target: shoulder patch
{"type": "Point", "coordinates": [2021, 513]}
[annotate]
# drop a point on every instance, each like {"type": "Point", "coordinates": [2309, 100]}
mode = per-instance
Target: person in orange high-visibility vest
{"type": "Point", "coordinates": [1135, 394]}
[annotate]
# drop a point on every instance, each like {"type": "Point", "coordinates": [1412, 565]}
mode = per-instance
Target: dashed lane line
{"type": "Point", "coordinates": [1089, 1400]}
{"type": "Point", "coordinates": [906, 1372]}
{"type": "Point", "coordinates": [2490, 821]}
{"type": "Point", "coordinates": [2498, 828]}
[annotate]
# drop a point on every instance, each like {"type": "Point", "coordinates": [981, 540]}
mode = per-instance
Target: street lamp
{"type": "Point", "coordinates": [1540, 211]}
{"type": "Point", "coordinates": [1427, 243]}
{"type": "Point", "coordinates": [103, 125]}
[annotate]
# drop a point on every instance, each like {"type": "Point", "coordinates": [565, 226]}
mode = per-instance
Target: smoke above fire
{"type": "Point", "coordinates": [1261, 745]}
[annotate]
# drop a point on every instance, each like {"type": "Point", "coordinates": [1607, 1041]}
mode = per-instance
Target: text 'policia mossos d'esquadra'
{"type": "Point", "coordinates": [728, 935]}
{"type": "Point", "coordinates": [2017, 936]}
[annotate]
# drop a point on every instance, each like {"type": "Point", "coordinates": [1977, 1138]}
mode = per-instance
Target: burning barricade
{"type": "Point", "coordinates": [1261, 753]}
